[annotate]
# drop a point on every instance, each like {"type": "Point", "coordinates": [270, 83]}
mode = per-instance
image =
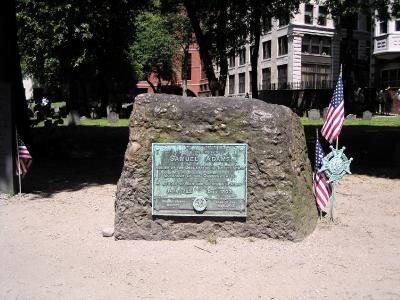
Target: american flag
{"type": "Point", "coordinates": [24, 159]}
{"type": "Point", "coordinates": [322, 189]}
{"type": "Point", "coordinates": [335, 117]}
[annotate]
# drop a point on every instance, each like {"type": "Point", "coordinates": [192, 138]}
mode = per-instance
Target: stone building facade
{"type": "Point", "coordinates": [303, 52]}
{"type": "Point", "coordinates": [386, 55]}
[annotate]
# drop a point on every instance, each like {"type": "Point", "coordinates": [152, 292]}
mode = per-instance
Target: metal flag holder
{"type": "Point", "coordinates": [335, 165]}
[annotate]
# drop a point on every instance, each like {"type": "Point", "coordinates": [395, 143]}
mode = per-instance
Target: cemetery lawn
{"type": "Point", "coordinates": [94, 122]}
{"type": "Point", "coordinates": [393, 121]}
{"type": "Point", "coordinates": [376, 121]}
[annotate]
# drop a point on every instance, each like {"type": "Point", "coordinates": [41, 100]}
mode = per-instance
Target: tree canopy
{"type": "Point", "coordinates": [159, 44]}
{"type": "Point", "coordinates": [72, 43]}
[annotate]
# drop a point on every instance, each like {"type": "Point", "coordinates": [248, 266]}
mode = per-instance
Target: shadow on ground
{"type": "Point", "coordinates": [68, 158]}
{"type": "Point", "coordinates": [375, 149]}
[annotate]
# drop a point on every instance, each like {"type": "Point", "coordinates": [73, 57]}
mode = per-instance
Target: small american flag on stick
{"type": "Point", "coordinates": [24, 158]}
{"type": "Point", "coordinates": [335, 117]}
{"type": "Point", "coordinates": [322, 189]}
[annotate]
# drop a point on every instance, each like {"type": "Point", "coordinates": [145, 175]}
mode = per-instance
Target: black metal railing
{"type": "Point", "coordinates": [299, 85]}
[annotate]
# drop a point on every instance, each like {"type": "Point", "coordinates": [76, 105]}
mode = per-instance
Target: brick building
{"type": "Point", "coordinates": [197, 83]}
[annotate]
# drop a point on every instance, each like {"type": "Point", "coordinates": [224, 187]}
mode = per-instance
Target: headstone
{"type": "Point", "coordinates": [325, 112]}
{"type": "Point", "coordinates": [56, 112]}
{"type": "Point", "coordinates": [113, 117]}
{"type": "Point", "coordinates": [351, 117]}
{"type": "Point", "coordinates": [7, 153]}
{"type": "Point", "coordinates": [314, 114]}
{"type": "Point", "coordinates": [280, 203]}
{"type": "Point", "coordinates": [73, 118]}
{"type": "Point", "coordinates": [367, 115]}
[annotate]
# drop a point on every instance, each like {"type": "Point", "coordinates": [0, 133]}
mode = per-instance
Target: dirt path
{"type": "Point", "coordinates": [51, 248]}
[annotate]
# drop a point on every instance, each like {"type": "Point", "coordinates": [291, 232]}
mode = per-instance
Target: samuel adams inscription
{"type": "Point", "coordinates": [199, 180]}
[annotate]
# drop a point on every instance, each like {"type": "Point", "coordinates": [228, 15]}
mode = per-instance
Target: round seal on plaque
{"type": "Point", "coordinates": [200, 204]}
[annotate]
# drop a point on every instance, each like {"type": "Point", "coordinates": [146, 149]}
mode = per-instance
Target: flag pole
{"type": "Point", "coordinates": [18, 162]}
{"type": "Point", "coordinates": [332, 198]}
{"type": "Point", "coordinates": [319, 210]}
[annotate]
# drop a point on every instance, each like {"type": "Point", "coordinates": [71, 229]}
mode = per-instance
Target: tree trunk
{"type": "Point", "coordinates": [255, 30]}
{"type": "Point", "coordinates": [151, 85]}
{"type": "Point", "coordinates": [348, 79]}
{"type": "Point", "coordinates": [222, 47]}
{"type": "Point", "coordinates": [203, 45]}
{"type": "Point", "coordinates": [10, 67]}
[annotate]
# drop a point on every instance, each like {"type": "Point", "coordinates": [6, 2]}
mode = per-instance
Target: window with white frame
{"type": "Point", "coordinates": [314, 44]}
{"type": "Point", "coordinates": [266, 24]}
{"type": "Point", "coordinates": [284, 21]}
{"type": "Point", "coordinates": [308, 13]}
{"type": "Point", "coordinates": [250, 81]}
{"type": "Point", "coordinates": [231, 60]}
{"type": "Point", "coordinates": [322, 12]}
{"type": "Point", "coordinates": [282, 76]}
{"type": "Point", "coordinates": [266, 47]}
{"type": "Point", "coordinates": [282, 45]}
{"type": "Point", "coordinates": [242, 56]}
{"type": "Point", "coordinates": [231, 84]}
{"type": "Point", "coordinates": [315, 75]}
{"type": "Point", "coordinates": [383, 27]}
{"type": "Point", "coordinates": [266, 78]}
{"type": "Point", "coordinates": [242, 83]}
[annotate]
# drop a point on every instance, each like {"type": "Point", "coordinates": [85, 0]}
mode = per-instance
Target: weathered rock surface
{"type": "Point", "coordinates": [280, 200]}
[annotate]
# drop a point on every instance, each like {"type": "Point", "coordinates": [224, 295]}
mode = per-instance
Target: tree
{"type": "Point", "coordinates": [223, 27]}
{"type": "Point", "coordinates": [258, 12]}
{"type": "Point", "coordinates": [345, 15]}
{"type": "Point", "coordinates": [219, 31]}
{"type": "Point", "coordinates": [10, 69]}
{"type": "Point", "coordinates": [78, 45]}
{"type": "Point", "coordinates": [159, 45]}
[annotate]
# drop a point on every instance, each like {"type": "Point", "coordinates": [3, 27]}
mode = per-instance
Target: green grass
{"type": "Point", "coordinates": [94, 122]}
{"type": "Point", "coordinates": [376, 121]}
{"type": "Point", "coordinates": [58, 104]}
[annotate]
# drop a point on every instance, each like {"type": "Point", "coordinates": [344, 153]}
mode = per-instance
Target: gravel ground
{"type": "Point", "coordinates": [52, 248]}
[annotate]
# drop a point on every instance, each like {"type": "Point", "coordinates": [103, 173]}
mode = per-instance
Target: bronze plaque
{"type": "Point", "coordinates": [199, 180]}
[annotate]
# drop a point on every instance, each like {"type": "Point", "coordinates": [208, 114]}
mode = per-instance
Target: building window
{"type": "Point", "coordinates": [187, 67]}
{"type": "Point", "coordinates": [315, 76]}
{"type": "Point", "coordinates": [354, 49]}
{"type": "Point", "coordinates": [397, 25]}
{"type": "Point", "coordinates": [284, 21]}
{"type": "Point", "coordinates": [322, 12]}
{"type": "Point", "coordinates": [266, 46]}
{"type": "Point", "coordinates": [314, 44]}
{"type": "Point", "coordinates": [349, 21]}
{"type": "Point", "coordinates": [326, 46]}
{"type": "Point", "coordinates": [283, 45]}
{"type": "Point", "coordinates": [250, 81]}
{"type": "Point", "coordinates": [368, 22]}
{"type": "Point", "coordinates": [308, 14]}
{"type": "Point", "coordinates": [242, 56]}
{"type": "Point", "coordinates": [231, 84]}
{"type": "Point", "coordinates": [242, 83]}
{"type": "Point", "coordinates": [266, 24]}
{"type": "Point", "coordinates": [232, 60]}
{"type": "Point", "coordinates": [282, 77]}
{"type": "Point", "coordinates": [266, 78]}
{"type": "Point", "coordinates": [383, 27]}
{"type": "Point", "coordinates": [390, 78]}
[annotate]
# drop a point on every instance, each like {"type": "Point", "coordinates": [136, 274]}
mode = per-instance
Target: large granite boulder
{"type": "Point", "coordinates": [280, 201]}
